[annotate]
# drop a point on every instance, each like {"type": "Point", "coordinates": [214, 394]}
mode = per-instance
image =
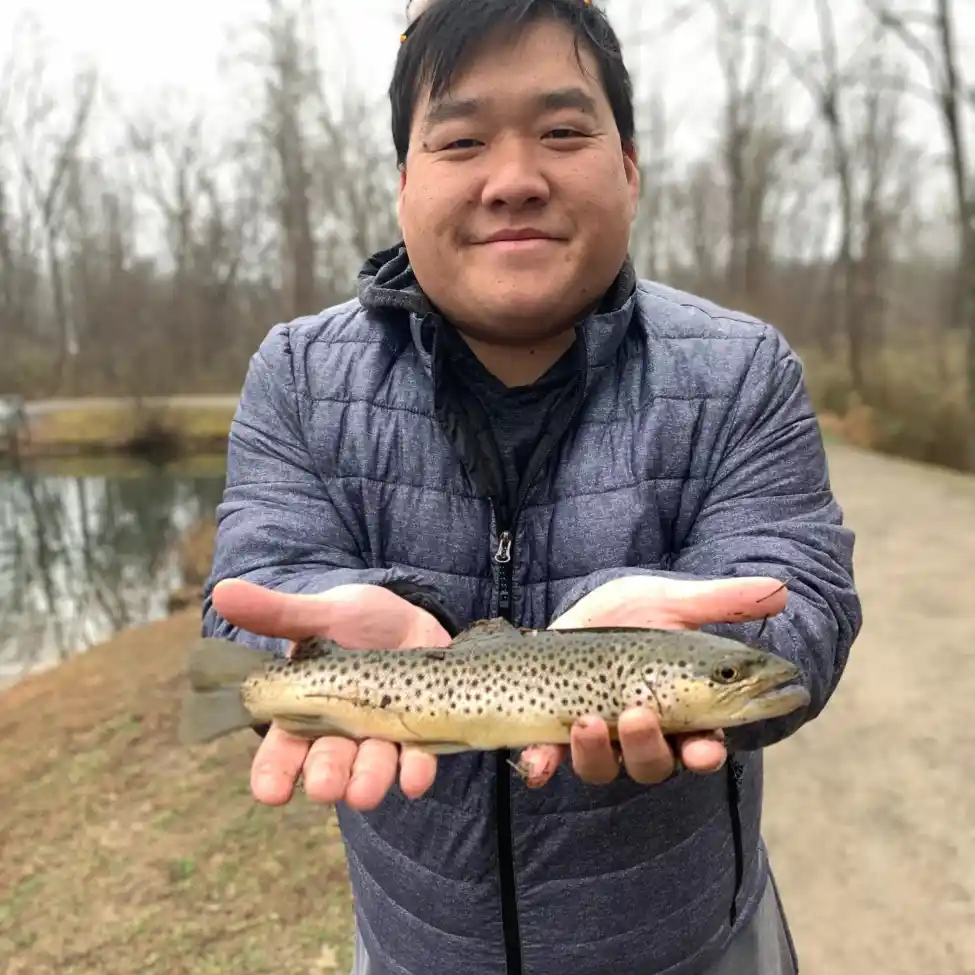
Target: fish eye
{"type": "Point", "coordinates": [725, 673]}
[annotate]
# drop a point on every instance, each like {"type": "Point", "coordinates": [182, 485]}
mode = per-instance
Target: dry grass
{"type": "Point", "coordinates": [914, 405]}
{"type": "Point", "coordinates": [121, 852]}
{"type": "Point", "coordinates": [124, 429]}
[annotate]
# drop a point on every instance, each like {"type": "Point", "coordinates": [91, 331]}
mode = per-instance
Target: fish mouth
{"type": "Point", "coordinates": [786, 693]}
{"type": "Point", "coordinates": [773, 702]}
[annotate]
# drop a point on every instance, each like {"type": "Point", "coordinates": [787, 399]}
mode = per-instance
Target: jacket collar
{"type": "Point", "coordinates": [386, 283]}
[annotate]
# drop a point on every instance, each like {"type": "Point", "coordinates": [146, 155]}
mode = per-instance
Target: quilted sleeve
{"type": "Point", "coordinates": [276, 525]}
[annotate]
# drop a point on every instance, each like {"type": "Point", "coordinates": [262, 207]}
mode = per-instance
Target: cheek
{"type": "Point", "coordinates": [432, 207]}
{"type": "Point", "coordinates": [604, 193]}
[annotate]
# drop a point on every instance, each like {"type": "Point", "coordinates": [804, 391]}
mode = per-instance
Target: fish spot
{"type": "Point", "coordinates": [386, 701]}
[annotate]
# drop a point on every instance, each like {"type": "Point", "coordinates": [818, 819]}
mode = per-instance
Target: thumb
{"type": "Point", "coordinates": [270, 613]}
{"type": "Point", "coordinates": [736, 600]}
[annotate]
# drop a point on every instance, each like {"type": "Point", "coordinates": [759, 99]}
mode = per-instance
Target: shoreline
{"type": "Point", "coordinates": [157, 429]}
{"type": "Point", "coordinates": [164, 430]}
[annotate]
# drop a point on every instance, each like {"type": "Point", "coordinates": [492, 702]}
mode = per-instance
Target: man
{"type": "Point", "coordinates": [507, 422]}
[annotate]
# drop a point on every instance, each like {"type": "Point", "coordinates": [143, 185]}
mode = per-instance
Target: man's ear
{"type": "Point", "coordinates": [402, 189]}
{"type": "Point", "coordinates": [631, 166]}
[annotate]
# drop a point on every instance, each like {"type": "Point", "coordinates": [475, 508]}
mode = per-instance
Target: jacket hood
{"type": "Point", "coordinates": [386, 281]}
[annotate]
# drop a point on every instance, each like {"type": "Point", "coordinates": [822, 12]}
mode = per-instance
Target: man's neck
{"type": "Point", "coordinates": [521, 365]}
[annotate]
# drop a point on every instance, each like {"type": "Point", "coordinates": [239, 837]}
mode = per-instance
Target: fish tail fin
{"type": "Point", "coordinates": [212, 714]}
{"type": "Point", "coordinates": [213, 663]}
{"type": "Point", "coordinates": [213, 706]}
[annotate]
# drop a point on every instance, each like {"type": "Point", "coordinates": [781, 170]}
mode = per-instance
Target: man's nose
{"type": "Point", "coordinates": [516, 177]}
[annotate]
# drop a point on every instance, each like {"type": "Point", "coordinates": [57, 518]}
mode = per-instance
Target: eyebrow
{"type": "Point", "coordinates": [452, 109]}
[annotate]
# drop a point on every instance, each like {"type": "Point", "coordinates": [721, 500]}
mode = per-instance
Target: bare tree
{"type": "Point", "coordinates": [289, 91]}
{"type": "Point", "coordinates": [940, 55]}
{"type": "Point", "coordinates": [827, 84]}
{"type": "Point", "coordinates": [653, 250]}
{"type": "Point", "coordinates": [748, 151]}
{"type": "Point", "coordinates": [46, 152]}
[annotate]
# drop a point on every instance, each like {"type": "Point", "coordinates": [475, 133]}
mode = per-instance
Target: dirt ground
{"type": "Point", "coordinates": [870, 811]}
{"type": "Point", "coordinates": [121, 852]}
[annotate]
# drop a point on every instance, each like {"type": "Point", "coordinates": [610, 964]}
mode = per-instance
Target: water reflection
{"type": "Point", "coordinates": [87, 549]}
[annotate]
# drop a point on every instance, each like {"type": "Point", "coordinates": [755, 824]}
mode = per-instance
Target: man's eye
{"type": "Point", "coordinates": [460, 144]}
{"type": "Point", "coordinates": [566, 133]}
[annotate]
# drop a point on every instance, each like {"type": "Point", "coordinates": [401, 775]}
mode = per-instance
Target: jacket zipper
{"type": "Point", "coordinates": [502, 558]}
{"type": "Point", "coordinates": [506, 864]}
{"type": "Point", "coordinates": [506, 518]}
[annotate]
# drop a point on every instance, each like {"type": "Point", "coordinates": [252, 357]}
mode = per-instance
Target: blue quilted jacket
{"type": "Point", "coordinates": [690, 448]}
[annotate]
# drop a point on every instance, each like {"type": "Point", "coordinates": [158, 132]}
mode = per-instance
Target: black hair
{"type": "Point", "coordinates": [446, 37]}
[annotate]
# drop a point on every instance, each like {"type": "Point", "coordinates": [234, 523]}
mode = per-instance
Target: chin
{"type": "Point", "coordinates": [531, 309]}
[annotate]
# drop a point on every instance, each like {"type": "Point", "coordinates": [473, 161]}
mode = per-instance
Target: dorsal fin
{"type": "Point", "coordinates": [485, 630]}
{"type": "Point", "coordinates": [313, 647]}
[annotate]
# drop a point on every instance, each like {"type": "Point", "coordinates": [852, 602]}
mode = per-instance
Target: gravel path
{"type": "Point", "coordinates": [870, 813]}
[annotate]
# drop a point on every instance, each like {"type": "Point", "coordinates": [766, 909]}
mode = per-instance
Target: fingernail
{"type": "Point", "coordinates": [538, 774]}
{"type": "Point", "coordinates": [269, 777]}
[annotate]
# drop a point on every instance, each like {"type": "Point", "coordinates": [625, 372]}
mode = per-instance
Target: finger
{"type": "Point", "coordinates": [738, 600]}
{"type": "Point", "coordinates": [703, 753]}
{"type": "Point", "coordinates": [646, 754]}
{"type": "Point", "coordinates": [418, 770]}
{"type": "Point", "coordinates": [593, 758]}
{"type": "Point", "coordinates": [276, 767]}
{"type": "Point", "coordinates": [541, 762]}
{"type": "Point", "coordinates": [373, 774]}
{"type": "Point", "coordinates": [328, 769]}
{"type": "Point", "coordinates": [270, 613]}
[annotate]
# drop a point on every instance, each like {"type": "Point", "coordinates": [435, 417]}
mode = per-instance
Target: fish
{"type": "Point", "coordinates": [497, 686]}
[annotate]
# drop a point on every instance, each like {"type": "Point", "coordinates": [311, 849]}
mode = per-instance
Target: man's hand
{"type": "Point", "coordinates": [651, 601]}
{"type": "Point", "coordinates": [356, 617]}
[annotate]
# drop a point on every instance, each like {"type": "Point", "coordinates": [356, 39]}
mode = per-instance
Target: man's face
{"type": "Point", "coordinates": [523, 145]}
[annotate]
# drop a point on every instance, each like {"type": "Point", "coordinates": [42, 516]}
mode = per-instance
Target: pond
{"type": "Point", "coordinates": [87, 548]}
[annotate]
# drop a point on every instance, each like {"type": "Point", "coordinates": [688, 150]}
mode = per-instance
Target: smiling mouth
{"type": "Point", "coordinates": [518, 243]}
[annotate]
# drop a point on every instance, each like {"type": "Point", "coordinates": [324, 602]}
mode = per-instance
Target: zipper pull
{"type": "Point", "coordinates": [503, 553]}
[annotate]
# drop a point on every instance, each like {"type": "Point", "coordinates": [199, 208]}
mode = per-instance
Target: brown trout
{"type": "Point", "coordinates": [496, 686]}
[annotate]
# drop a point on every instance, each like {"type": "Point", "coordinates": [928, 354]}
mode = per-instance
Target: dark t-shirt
{"type": "Point", "coordinates": [518, 415]}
